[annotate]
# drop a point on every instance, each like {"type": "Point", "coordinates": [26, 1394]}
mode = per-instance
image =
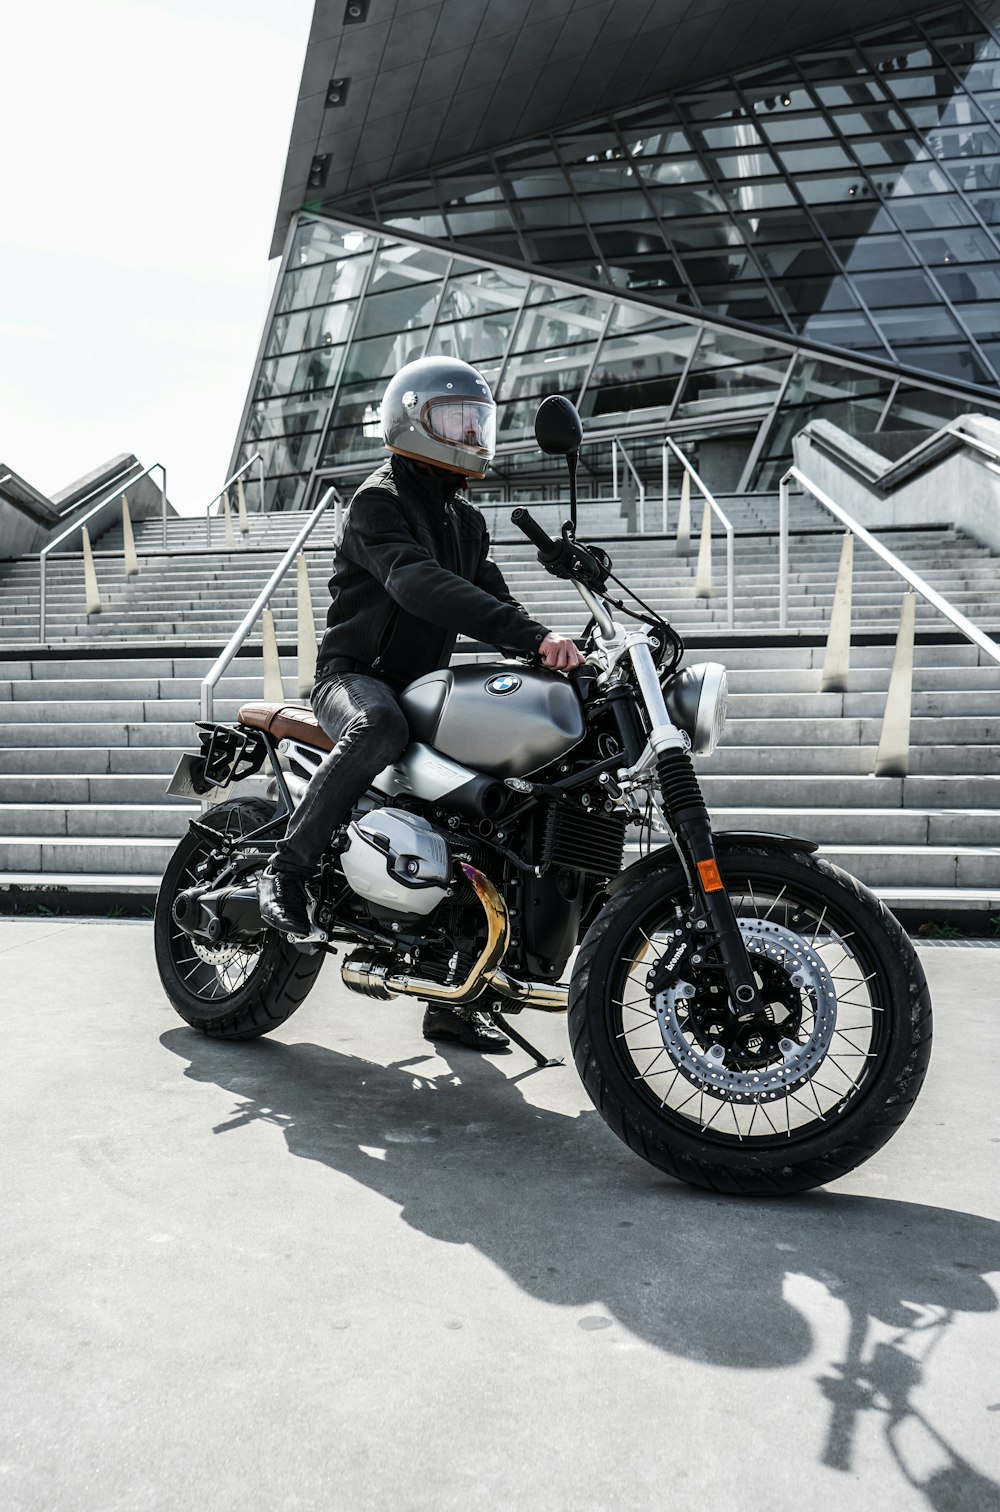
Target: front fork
{"type": "Point", "coordinates": [685, 811]}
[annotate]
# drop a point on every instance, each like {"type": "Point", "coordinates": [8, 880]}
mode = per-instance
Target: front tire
{"type": "Point", "coordinates": [848, 1087]}
{"type": "Point", "coordinates": [233, 993]}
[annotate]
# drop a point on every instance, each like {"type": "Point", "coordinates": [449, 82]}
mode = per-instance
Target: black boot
{"type": "Point", "coordinates": [464, 1026]}
{"type": "Point", "coordinates": [281, 897]}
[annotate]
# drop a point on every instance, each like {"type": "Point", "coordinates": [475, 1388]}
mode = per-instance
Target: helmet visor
{"type": "Point", "coordinates": [469, 424]}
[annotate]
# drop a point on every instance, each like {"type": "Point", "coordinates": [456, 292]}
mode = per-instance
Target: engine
{"type": "Point", "coordinates": [398, 861]}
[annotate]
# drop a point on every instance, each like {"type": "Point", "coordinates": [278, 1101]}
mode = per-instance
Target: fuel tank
{"type": "Point", "coordinates": [501, 720]}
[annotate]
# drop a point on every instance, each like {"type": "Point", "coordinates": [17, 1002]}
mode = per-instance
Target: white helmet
{"type": "Point", "coordinates": [440, 410]}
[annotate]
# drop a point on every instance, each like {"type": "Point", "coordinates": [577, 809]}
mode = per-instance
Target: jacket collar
{"type": "Point", "coordinates": [432, 485]}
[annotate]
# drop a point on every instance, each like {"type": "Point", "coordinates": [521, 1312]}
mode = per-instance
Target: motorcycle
{"type": "Point", "coordinates": [743, 1014]}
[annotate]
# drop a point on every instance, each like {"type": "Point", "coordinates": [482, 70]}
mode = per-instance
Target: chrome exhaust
{"type": "Point", "coordinates": [366, 972]}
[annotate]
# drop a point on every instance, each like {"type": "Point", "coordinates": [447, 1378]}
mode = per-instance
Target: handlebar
{"type": "Point", "coordinates": [548, 549]}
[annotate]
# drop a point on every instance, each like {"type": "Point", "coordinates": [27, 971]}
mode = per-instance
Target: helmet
{"type": "Point", "coordinates": [440, 410]}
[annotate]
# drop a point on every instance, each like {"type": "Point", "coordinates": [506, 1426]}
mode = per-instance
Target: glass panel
{"type": "Point", "coordinates": [844, 329]}
{"type": "Point", "coordinates": [322, 283]}
{"type": "Point", "coordinates": [566, 248]}
{"type": "Point", "coordinates": [310, 328]}
{"type": "Point", "coordinates": [814, 158]}
{"type": "Point", "coordinates": [545, 327]}
{"type": "Point", "coordinates": [317, 241]}
{"type": "Point", "coordinates": [398, 265]}
{"type": "Point", "coordinates": [802, 297]}
{"type": "Point", "coordinates": [305, 374]}
{"type": "Point", "coordinates": [399, 310]}
{"type": "Point", "coordinates": [467, 223]}
{"type": "Point", "coordinates": [945, 247]}
{"type": "Point", "coordinates": [929, 214]}
{"type": "Point", "coordinates": [954, 360]}
{"type": "Point", "coordinates": [874, 252]}
{"type": "Point", "coordinates": [618, 209]}
{"type": "Point", "coordinates": [468, 184]}
{"type": "Point", "coordinates": [669, 171]}
{"type": "Point", "coordinates": [285, 416]}
{"type": "Point", "coordinates": [888, 290]}
{"type": "Point", "coordinates": [638, 370]}
{"type": "Point", "coordinates": [486, 290]}
{"type": "Point", "coordinates": [474, 341]}
{"type": "Point", "coordinates": [789, 128]}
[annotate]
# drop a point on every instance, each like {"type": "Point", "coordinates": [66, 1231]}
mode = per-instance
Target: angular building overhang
{"type": "Point", "coordinates": [392, 87]}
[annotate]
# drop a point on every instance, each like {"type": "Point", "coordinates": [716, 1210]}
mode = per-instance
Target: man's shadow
{"type": "Point", "coordinates": [575, 1219]}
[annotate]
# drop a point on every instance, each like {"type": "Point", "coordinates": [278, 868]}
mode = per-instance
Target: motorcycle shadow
{"type": "Point", "coordinates": [576, 1220]}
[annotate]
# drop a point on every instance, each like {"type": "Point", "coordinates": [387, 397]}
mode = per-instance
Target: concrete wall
{"type": "Point", "coordinates": [958, 490]}
{"type": "Point", "coordinates": [28, 520]}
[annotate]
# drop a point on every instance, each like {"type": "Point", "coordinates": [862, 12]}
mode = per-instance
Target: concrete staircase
{"type": "Point", "coordinates": [91, 725]}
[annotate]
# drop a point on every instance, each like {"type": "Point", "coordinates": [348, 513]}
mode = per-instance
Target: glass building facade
{"type": "Point", "coordinates": [820, 236]}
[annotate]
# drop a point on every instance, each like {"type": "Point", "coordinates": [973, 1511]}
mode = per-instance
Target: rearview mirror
{"type": "Point", "coordinates": [557, 426]}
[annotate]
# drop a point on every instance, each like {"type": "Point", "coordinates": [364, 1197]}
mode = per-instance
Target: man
{"type": "Point", "coordinates": [412, 572]}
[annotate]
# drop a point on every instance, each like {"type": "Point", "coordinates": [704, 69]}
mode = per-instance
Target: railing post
{"type": "Point", "coordinates": [306, 639]}
{"type": "Point", "coordinates": [41, 600]}
{"type": "Point", "coordinates": [228, 517]}
{"type": "Point", "coordinates": [837, 662]}
{"type": "Point", "coordinates": [614, 467]}
{"type": "Point", "coordinates": [893, 758]}
{"type": "Point", "coordinates": [274, 686]}
{"type": "Point", "coordinates": [666, 484]}
{"type": "Point", "coordinates": [684, 516]}
{"type": "Point", "coordinates": [703, 576]}
{"type": "Point", "coordinates": [642, 505]}
{"type": "Point", "coordinates": [91, 590]}
{"type": "Point", "coordinates": [783, 554]}
{"type": "Point", "coordinates": [260, 475]}
{"type": "Point", "coordinates": [241, 506]}
{"type": "Point", "coordinates": [163, 503]}
{"type": "Point", "coordinates": [131, 560]}
{"type": "Point", "coordinates": [730, 580]}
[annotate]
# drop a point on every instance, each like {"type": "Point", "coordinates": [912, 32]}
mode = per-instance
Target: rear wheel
{"type": "Point", "coordinates": [807, 1097]}
{"type": "Point", "coordinates": [230, 991]}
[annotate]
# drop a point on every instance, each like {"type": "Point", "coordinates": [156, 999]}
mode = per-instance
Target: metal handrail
{"type": "Point", "coordinates": [112, 498]}
{"type": "Point", "coordinates": [723, 520]}
{"type": "Point", "coordinates": [250, 618]}
{"type": "Point", "coordinates": [237, 474]}
{"type": "Point", "coordinates": [616, 447]}
{"type": "Point", "coordinates": [936, 600]}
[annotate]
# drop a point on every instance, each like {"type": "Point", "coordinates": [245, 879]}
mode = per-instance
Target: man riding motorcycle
{"type": "Point", "coordinates": [412, 572]}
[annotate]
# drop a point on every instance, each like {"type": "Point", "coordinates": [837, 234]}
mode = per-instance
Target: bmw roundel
{"type": "Point", "coordinates": [506, 682]}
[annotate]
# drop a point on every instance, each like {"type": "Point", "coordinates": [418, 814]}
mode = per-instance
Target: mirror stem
{"type": "Point", "coordinates": [571, 460]}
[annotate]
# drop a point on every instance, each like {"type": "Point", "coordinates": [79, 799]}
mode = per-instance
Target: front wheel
{"type": "Point", "coordinates": [231, 991]}
{"type": "Point", "coordinates": [825, 1082]}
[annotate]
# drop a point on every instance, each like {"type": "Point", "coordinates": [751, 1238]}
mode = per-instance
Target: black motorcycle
{"type": "Point", "coordinates": [743, 1014]}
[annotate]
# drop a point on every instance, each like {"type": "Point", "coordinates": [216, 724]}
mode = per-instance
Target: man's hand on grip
{"type": "Point", "coordinates": [560, 653]}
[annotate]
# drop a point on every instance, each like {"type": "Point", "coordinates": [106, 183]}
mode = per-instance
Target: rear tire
{"type": "Point", "coordinates": [715, 1143]}
{"type": "Point", "coordinates": [272, 978]}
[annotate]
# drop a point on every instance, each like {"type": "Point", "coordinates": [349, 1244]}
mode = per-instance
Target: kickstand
{"type": "Point", "coordinates": [526, 1045]}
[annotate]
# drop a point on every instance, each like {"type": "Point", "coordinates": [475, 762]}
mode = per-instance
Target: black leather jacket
{"type": "Point", "coordinates": [413, 572]}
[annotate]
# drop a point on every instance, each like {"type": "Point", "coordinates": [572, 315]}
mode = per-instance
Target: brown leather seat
{"type": "Point", "coordinates": [281, 720]}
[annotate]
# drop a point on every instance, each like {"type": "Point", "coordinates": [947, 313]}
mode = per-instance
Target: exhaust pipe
{"type": "Point", "coordinates": [369, 974]}
{"type": "Point", "coordinates": [375, 978]}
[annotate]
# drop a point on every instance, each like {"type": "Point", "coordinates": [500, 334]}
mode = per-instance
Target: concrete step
{"type": "Point", "coordinates": [93, 820]}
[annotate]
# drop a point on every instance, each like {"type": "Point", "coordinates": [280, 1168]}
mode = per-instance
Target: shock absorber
{"type": "Point", "coordinates": [684, 807]}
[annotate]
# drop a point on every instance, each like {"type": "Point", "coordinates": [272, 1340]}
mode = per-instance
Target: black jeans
{"type": "Point", "coordinates": [361, 715]}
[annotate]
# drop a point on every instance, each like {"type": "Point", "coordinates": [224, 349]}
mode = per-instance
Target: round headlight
{"type": "Point", "coordinates": [696, 702]}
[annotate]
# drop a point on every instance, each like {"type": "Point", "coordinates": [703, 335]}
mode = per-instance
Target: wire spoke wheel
{"type": "Point", "coordinates": [823, 999]}
{"type": "Point", "coordinates": [232, 989]}
{"type": "Point", "coordinates": [799, 1096]}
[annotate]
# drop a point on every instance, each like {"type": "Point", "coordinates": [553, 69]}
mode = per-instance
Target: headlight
{"type": "Point", "coordinates": [696, 702]}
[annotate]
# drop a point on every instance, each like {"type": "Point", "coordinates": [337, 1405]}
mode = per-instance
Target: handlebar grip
{"type": "Point", "coordinates": [548, 549]}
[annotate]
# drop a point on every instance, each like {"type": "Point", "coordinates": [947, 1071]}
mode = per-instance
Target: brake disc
{"type": "Point", "coordinates": [705, 1066]}
{"type": "Point", "coordinates": [222, 955]}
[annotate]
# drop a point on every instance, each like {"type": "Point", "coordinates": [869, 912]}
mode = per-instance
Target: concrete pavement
{"type": "Point", "coordinates": [333, 1270]}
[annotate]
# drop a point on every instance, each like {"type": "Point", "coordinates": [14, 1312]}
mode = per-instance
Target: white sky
{"type": "Point", "coordinates": [142, 151]}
